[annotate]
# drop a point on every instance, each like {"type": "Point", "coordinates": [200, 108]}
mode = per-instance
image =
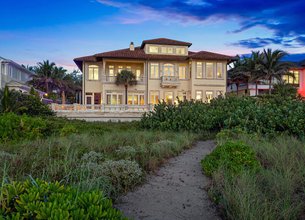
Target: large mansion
{"type": "Point", "coordinates": [165, 69]}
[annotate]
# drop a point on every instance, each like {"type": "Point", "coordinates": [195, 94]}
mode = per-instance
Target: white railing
{"type": "Point", "coordinates": [100, 108]}
{"type": "Point", "coordinates": [170, 80]}
{"type": "Point", "coordinates": [112, 79]}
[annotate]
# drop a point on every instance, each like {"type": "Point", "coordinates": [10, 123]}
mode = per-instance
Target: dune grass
{"type": "Point", "coordinates": [80, 158]}
{"type": "Point", "coordinates": [276, 191]}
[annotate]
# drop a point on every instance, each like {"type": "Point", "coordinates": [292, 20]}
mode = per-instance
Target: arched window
{"type": "Point", "coordinates": [168, 69]}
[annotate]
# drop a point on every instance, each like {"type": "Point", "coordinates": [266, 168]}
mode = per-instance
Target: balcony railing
{"type": "Point", "coordinates": [169, 81]}
{"type": "Point", "coordinates": [112, 79]}
{"type": "Point", "coordinates": [101, 108]}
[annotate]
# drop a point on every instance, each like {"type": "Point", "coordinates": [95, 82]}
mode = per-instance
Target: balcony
{"type": "Point", "coordinates": [111, 79]}
{"type": "Point", "coordinates": [170, 81]}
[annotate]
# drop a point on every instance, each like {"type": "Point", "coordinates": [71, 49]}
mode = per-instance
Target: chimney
{"type": "Point", "coordinates": [131, 46]}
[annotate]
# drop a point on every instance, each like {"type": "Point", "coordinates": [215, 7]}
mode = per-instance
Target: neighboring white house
{"type": "Point", "coordinates": [14, 75]}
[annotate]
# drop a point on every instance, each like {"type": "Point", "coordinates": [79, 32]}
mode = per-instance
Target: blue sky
{"type": "Point", "coordinates": [36, 30]}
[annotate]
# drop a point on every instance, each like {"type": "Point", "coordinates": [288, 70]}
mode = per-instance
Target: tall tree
{"type": "Point", "coordinates": [253, 69]}
{"type": "Point", "coordinates": [6, 101]}
{"type": "Point", "coordinates": [237, 74]}
{"type": "Point", "coordinates": [273, 67]}
{"type": "Point", "coordinates": [126, 78]}
{"type": "Point", "coordinates": [44, 76]}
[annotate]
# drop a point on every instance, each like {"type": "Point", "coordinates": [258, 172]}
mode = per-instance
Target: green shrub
{"type": "Point", "coordinates": [68, 129]}
{"type": "Point", "coordinates": [268, 115]}
{"type": "Point", "coordinates": [124, 174]}
{"type": "Point", "coordinates": [121, 175]}
{"type": "Point", "coordinates": [92, 157]}
{"type": "Point", "coordinates": [232, 156]}
{"type": "Point", "coordinates": [126, 153]}
{"type": "Point", "coordinates": [20, 104]}
{"type": "Point", "coordinates": [275, 191]}
{"type": "Point", "coordinates": [42, 200]}
{"type": "Point", "coordinates": [14, 127]}
{"type": "Point", "coordinates": [284, 90]}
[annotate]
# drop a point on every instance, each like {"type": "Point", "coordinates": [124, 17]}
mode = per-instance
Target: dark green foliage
{"type": "Point", "coordinates": [68, 129]}
{"type": "Point", "coordinates": [267, 115]}
{"type": "Point", "coordinates": [284, 90]}
{"type": "Point", "coordinates": [19, 103]}
{"type": "Point", "coordinates": [5, 100]}
{"type": "Point", "coordinates": [234, 157]}
{"type": "Point", "coordinates": [42, 200]}
{"type": "Point", "coordinates": [14, 127]}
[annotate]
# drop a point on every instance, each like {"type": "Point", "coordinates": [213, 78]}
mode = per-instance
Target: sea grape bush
{"type": "Point", "coordinates": [231, 156]}
{"type": "Point", "coordinates": [14, 127]}
{"type": "Point", "coordinates": [266, 115]}
{"type": "Point", "coordinates": [37, 199]}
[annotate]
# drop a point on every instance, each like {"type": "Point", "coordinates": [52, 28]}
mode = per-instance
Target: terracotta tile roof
{"type": "Point", "coordinates": [205, 55]}
{"type": "Point", "coordinates": [140, 54]}
{"type": "Point", "coordinates": [79, 61]}
{"type": "Point", "coordinates": [165, 41]}
{"type": "Point", "coordinates": [86, 58]}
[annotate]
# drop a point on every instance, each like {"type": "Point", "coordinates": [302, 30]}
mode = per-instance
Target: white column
{"type": "Point", "coordinates": [83, 87]}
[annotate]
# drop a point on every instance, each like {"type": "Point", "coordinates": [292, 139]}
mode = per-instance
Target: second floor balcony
{"type": "Point", "coordinates": [170, 81]}
{"type": "Point", "coordinates": [112, 79]}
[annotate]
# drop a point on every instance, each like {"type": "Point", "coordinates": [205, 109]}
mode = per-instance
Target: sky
{"type": "Point", "coordinates": [35, 30]}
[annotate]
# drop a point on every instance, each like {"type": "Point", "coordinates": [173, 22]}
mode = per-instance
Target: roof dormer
{"type": "Point", "coordinates": [164, 46]}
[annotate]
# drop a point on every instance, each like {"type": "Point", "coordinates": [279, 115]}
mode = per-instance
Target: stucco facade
{"type": "Point", "coordinates": [165, 70]}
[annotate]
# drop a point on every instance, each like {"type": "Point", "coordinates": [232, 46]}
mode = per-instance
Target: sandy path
{"type": "Point", "coordinates": [176, 192]}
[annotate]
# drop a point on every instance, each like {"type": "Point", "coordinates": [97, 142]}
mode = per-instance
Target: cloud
{"type": "Point", "coordinates": [285, 18]}
{"type": "Point", "coordinates": [257, 42]}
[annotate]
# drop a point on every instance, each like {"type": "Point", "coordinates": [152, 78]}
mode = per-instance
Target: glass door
{"type": "Point", "coordinates": [169, 97]}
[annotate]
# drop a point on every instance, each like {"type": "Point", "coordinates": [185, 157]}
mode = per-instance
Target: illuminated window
{"type": "Point", "coordinates": [182, 96]}
{"type": "Point", "coordinates": [198, 95]}
{"type": "Point", "coordinates": [169, 97]}
{"type": "Point", "coordinates": [180, 51]}
{"type": "Point", "coordinates": [93, 72]}
{"type": "Point", "coordinates": [120, 68]}
{"type": "Point", "coordinates": [294, 79]}
{"type": "Point", "coordinates": [182, 72]}
{"type": "Point", "coordinates": [128, 68]}
{"type": "Point", "coordinates": [164, 50]}
{"type": "Point", "coordinates": [153, 49]}
{"type": "Point", "coordinates": [168, 70]}
{"type": "Point", "coordinates": [154, 97]}
{"type": "Point", "coordinates": [199, 70]}
{"type": "Point", "coordinates": [135, 99]}
{"type": "Point", "coordinates": [209, 70]}
{"type": "Point", "coordinates": [219, 70]}
{"type": "Point", "coordinates": [154, 70]}
{"type": "Point", "coordinates": [114, 98]}
{"type": "Point", "coordinates": [111, 71]}
{"type": "Point", "coordinates": [170, 50]}
{"type": "Point", "coordinates": [139, 76]}
{"type": "Point", "coordinates": [209, 96]}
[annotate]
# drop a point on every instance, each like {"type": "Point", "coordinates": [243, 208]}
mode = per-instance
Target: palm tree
{"type": "Point", "coordinates": [58, 76]}
{"type": "Point", "coordinates": [126, 78]}
{"type": "Point", "coordinates": [237, 74]}
{"type": "Point", "coordinates": [273, 67]}
{"type": "Point", "coordinates": [253, 69]}
{"type": "Point", "coordinates": [44, 80]}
